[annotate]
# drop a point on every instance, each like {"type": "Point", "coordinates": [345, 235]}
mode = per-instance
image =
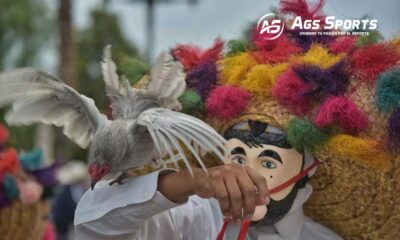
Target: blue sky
{"type": "Point", "coordinates": [201, 23]}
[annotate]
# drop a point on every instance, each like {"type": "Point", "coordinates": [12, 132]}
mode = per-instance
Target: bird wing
{"type": "Point", "coordinates": [118, 90]}
{"type": "Point", "coordinates": [167, 80]}
{"type": "Point", "coordinates": [170, 129]}
{"type": "Point", "coordinates": [39, 97]}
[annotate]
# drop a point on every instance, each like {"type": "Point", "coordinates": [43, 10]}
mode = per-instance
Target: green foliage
{"type": "Point", "coordinates": [25, 28]}
{"type": "Point", "coordinates": [373, 37]}
{"type": "Point", "coordinates": [104, 29]}
{"type": "Point", "coordinates": [133, 68]}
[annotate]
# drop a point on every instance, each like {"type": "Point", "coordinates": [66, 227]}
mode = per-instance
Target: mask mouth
{"type": "Point", "coordinates": [277, 209]}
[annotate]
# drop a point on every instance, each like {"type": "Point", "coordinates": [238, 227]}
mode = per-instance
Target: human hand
{"type": "Point", "coordinates": [238, 189]}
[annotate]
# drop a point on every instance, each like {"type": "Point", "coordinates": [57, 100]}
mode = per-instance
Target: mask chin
{"type": "Point", "coordinates": [277, 209]}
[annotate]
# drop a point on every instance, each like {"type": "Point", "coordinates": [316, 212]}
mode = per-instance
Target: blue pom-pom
{"type": "Point", "coordinates": [10, 187]}
{"type": "Point", "coordinates": [32, 160]}
{"type": "Point", "coordinates": [388, 90]}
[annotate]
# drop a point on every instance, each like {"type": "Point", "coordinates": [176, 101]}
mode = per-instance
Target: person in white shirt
{"type": "Point", "coordinates": [174, 205]}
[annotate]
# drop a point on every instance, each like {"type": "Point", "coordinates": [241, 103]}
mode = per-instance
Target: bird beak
{"type": "Point", "coordinates": [92, 184]}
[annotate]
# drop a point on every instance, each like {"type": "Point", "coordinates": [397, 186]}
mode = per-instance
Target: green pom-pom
{"type": "Point", "coordinates": [10, 187]}
{"type": "Point", "coordinates": [236, 46]}
{"type": "Point", "coordinates": [372, 37]}
{"type": "Point", "coordinates": [191, 102]}
{"type": "Point", "coordinates": [303, 135]}
{"type": "Point", "coordinates": [133, 68]}
{"type": "Point", "coordinates": [388, 90]}
{"type": "Point", "coordinates": [32, 160]}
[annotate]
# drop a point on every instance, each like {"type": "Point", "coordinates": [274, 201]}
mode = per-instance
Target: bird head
{"type": "Point", "coordinates": [97, 171]}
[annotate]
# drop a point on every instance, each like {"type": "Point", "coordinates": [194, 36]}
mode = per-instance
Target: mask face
{"type": "Point", "coordinates": [276, 164]}
{"type": "Point", "coordinates": [272, 157]}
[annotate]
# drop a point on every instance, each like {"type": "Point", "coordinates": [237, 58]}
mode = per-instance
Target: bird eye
{"type": "Point", "coordinates": [239, 160]}
{"type": "Point", "coordinates": [268, 164]}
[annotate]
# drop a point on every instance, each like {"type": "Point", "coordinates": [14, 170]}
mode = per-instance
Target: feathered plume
{"type": "Point", "coordinates": [191, 56]}
{"type": "Point", "coordinates": [271, 51]}
{"type": "Point", "coordinates": [344, 44]}
{"type": "Point", "coordinates": [303, 9]}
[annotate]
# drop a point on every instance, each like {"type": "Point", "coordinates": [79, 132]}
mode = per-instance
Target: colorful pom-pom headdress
{"type": "Point", "coordinates": [337, 97]}
{"type": "Point", "coordinates": [24, 181]}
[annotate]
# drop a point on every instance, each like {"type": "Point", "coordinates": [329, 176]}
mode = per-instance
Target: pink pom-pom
{"type": "Point", "coordinates": [225, 102]}
{"type": "Point", "coordinates": [49, 232]}
{"type": "Point", "coordinates": [3, 134]}
{"type": "Point", "coordinates": [290, 91]}
{"type": "Point", "coordinates": [341, 111]}
{"type": "Point", "coordinates": [342, 45]}
{"type": "Point", "coordinates": [30, 191]}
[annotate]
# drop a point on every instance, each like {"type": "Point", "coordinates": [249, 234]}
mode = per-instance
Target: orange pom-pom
{"type": "Point", "coordinates": [191, 56]}
{"type": "Point", "coordinates": [372, 60]}
{"type": "Point", "coordinates": [9, 162]}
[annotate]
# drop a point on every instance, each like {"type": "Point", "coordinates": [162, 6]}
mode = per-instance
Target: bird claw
{"type": "Point", "coordinates": [119, 179]}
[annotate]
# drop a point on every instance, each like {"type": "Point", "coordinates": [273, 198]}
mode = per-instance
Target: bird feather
{"type": "Point", "coordinates": [39, 97]}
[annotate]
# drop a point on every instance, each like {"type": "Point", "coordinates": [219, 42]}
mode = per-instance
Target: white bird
{"type": "Point", "coordinates": [145, 127]}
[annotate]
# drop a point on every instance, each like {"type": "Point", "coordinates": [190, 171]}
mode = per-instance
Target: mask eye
{"type": "Point", "coordinates": [268, 164]}
{"type": "Point", "coordinates": [239, 159]}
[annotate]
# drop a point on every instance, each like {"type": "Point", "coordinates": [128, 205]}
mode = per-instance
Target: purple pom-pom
{"type": "Point", "coordinates": [203, 78]}
{"type": "Point", "coordinates": [4, 201]}
{"type": "Point", "coordinates": [46, 176]}
{"type": "Point", "coordinates": [394, 130]}
{"type": "Point", "coordinates": [333, 80]}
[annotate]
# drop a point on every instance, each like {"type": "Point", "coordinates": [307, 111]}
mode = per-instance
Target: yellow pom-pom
{"type": "Point", "coordinates": [235, 68]}
{"type": "Point", "coordinates": [319, 56]}
{"type": "Point", "coordinates": [396, 43]}
{"type": "Point", "coordinates": [367, 151]}
{"type": "Point", "coordinates": [260, 79]}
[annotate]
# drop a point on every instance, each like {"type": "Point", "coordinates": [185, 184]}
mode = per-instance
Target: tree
{"type": "Point", "coordinates": [25, 29]}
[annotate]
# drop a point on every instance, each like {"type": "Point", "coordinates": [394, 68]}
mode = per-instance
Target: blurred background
{"type": "Point", "coordinates": [66, 38]}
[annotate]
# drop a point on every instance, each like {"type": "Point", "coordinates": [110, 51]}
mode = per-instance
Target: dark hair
{"type": "Point", "coordinates": [257, 136]}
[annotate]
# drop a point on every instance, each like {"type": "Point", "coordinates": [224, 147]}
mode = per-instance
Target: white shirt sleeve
{"type": "Point", "coordinates": [118, 212]}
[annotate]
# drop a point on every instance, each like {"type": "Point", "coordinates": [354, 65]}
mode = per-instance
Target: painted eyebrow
{"type": "Point", "coordinates": [271, 154]}
{"type": "Point", "coordinates": [238, 150]}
